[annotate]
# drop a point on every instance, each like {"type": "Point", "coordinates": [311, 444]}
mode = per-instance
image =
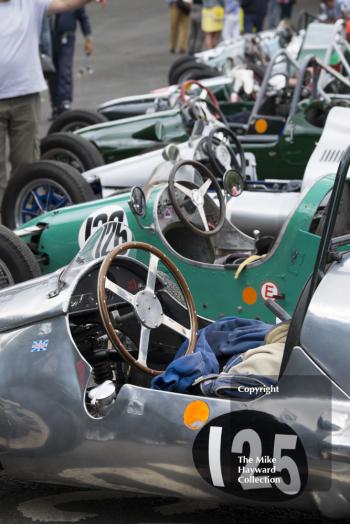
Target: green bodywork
{"type": "Point", "coordinates": [282, 152]}
{"type": "Point", "coordinates": [286, 157]}
{"type": "Point", "coordinates": [215, 289]}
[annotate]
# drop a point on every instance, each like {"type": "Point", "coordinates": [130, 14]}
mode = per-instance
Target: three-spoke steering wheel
{"type": "Point", "coordinates": [146, 304]}
{"type": "Point", "coordinates": [223, 146]}
{"type": "Point", "coordinates": [187, 198]}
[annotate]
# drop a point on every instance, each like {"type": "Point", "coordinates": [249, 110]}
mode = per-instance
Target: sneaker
{"type": "Point", "coordinates": [65, 106]}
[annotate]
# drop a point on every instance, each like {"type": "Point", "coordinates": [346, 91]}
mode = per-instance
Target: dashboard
{"type": "Point", "coordinates": [84, 298]}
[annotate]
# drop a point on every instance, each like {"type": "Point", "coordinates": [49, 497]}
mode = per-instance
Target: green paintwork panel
{"type": "Point", "coordinates": [132, 136]}
{"type": "Point", "coordinates": [231, 108]}
{"type": "Point", "coordinates": [215, 289]}
{"type": "Point", "coordinates": [284, 156]}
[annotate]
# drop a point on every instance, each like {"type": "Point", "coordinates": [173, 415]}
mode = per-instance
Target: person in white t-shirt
{"type": "Point", "coordinates": [21, 78]}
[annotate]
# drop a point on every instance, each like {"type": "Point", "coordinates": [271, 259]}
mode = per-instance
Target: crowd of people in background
{"type": "Point", "coordinates": [335, 9]}
{"type": "Point", "coordinates": [199, 24]}
{"type": "Point", "coordinates": [195, 24]}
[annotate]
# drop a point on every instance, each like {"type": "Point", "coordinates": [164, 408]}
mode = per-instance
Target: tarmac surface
{"type": "Point", "coordinates": [131, 57]}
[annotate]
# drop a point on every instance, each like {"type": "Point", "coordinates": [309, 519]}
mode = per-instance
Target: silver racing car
{"type": "Point", "coordinates": [82, 349]}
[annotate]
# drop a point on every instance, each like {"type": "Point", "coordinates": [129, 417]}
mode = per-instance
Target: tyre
{"type": "Point", "coordinates": [70, 121]}
{"type": "Point", "coordinates": [202, 74]}
{"type": "Point", "coordinates": [259, 71]}
{"type": "Point", "coordinates": [17, 262]}
{"type": "Point", "coordinates": [195, 72]}
{"type": "Point", "coordinates": [181, 68]}
{"type": "Point", "coordinates": [177, 63]}
{"type": "Point", "coordinates": [41, 187]}
{"type": "Point", "coordinates": [74, 150]}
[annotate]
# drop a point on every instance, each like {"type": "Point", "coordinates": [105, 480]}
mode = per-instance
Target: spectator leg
{"type": "Point", "coordinates": [200, 38]}
{"type": "Point", "coordinates": [174, 25]}
{"type": "Point", "coordinates": [184, 29]}
{"type": "Point", "coordinates": [4, 112]}
{"type": "Point", "coordinates": [231, 27]}
{"type": "Point", "coordinates": [24, 130]}
{"type": "Point", "coordinates": [259, 23]}
{"type": "Point", "coordinates": [53, 80]}
{"type": "Point", "coordinates": [65, 77]}
{"type": "Point", "coordinates": [192, 38]}
{"type": "Point", "coordinates": [273, 14]}
{"type": "Point", "coordinates": [248, 23]}
{"type": "Point", "coordinates": [196, 37]}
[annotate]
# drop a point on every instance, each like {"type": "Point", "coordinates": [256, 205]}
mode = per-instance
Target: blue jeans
{"type": "Point", "coordinates": [61, 85]}
{"type": "Point", "coordinates": [286, 11]}
{"type": "Point", "coordinates": [274, 11]}
{"type": "Point", "coordinates": [254, 20]}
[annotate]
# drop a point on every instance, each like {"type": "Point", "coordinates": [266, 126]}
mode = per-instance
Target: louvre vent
{"type": "Point", "coordinates": [331, 155]}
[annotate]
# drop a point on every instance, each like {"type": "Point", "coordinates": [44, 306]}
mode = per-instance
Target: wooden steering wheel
{"type": "Point", "coordinates": [186, 86]}
{"type": "Point", "coordinates": [146, 304]}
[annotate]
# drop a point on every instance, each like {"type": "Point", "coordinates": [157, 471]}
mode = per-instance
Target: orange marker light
{"type": "Point", "coordinates": [196, 415]}
{"type": "Point", "coordinates": [249, 296]}
{"type": "Point", "coordinates": [261, 126]}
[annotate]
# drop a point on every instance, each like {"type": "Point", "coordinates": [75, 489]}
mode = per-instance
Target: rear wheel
{"type": "Point", "coordinates": [195, 72]}
{"type": "Point", "coordinates": [17, 262]}
{"type": "Point", "coordinates": [74, 150]}
{"type": "Point", "coordinates": [70, 121]}
{"type": "Point", "coordinates": [41, 187]}
{"type": "Point", "coordinates": [199, 74]}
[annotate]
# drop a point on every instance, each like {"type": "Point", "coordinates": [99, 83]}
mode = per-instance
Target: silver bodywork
{"type": "Point", "coordinates": [46, 433]}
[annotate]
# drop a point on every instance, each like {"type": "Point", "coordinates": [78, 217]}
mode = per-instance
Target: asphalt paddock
{"type": "Point", "coordinates": [131, 57]}
{"type": "Point", "coordinates": [23, 503]}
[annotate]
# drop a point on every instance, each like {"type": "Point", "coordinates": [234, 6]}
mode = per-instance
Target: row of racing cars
{"type": "Point", "coordinates": [231, 225]}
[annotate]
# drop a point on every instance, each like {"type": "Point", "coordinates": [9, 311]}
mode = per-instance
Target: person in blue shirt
{"type": "Point", "coordinates": [64, 26]}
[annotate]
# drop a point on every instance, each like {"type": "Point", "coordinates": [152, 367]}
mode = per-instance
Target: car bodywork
{"type": "Point", "coordinates": [281, 146]}
{"type": "Point", "coordinates": [56, 238]}
{"type": "Point", "coordinates": [146, 442]}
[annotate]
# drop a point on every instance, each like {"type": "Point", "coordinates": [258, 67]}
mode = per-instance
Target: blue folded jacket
{"type": "Point", "coordinates": [218, 344]}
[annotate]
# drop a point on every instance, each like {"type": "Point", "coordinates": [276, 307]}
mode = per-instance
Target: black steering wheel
{"type": "Point", "coordinates": [192, 204]}
{"type": "Point", "coordinates": [223, 146]}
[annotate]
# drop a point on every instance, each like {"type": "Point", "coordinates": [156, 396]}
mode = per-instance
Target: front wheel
{"type": "Point", "coordinates": [17, 262]}
{"type": "Point", "coordinates": [41, 187]}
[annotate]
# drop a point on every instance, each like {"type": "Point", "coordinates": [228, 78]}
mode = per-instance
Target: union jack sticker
{"type": "Point", "coordinates": [39, 345]}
